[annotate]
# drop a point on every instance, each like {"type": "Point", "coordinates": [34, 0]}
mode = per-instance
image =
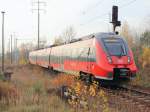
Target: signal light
{"type": "Point", "coordinates": [115, 14]}
{"type": "Point", "coordinates": [115, 21]}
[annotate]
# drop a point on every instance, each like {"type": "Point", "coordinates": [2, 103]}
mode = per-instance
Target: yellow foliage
{"type": "Point", "coordinates": [81, 95]}
{"type": "Point", "coordinates": [92, 91]}
{"type": "Point", "coordinates": [101, 93]}
{"type": "Point", "coordinates": [63, 80]}
{"type": "Point", "coordinates": [145, 56]}
{"type": "Point", "coordinates": [77, 88]}
{"type": "Point", "coordinates": [126, 33]}
{"type": "Point", "coordinates": [22, 61]}
{"type": "Point", "coordinates": [88, 97]}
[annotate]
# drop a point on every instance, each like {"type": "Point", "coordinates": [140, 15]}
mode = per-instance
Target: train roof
{"type": "Point", "coordinates": [104, 35]}
{"type": "Point", "coordinates": [94, 35]}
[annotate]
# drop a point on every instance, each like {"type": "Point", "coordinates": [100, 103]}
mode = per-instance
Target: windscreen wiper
{"type": "Point", "coordinates": [121, 53]}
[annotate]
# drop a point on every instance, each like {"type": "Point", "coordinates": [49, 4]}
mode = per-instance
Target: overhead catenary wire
{"type": "Point", "coordinates": [93, 6]}
{"type": "Point", "coordinates": [108, 13]}
{"type": "Point", "coordinates": [127, 4]}
{"type": "Point", "coordinates": [95, 18]}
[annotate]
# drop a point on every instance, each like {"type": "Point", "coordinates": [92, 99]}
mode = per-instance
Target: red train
{"type": "Point", "coordinates": [103, 56]}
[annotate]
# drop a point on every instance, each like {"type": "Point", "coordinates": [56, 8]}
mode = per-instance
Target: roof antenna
{"type": "Point", "coordinates": [115, 21]}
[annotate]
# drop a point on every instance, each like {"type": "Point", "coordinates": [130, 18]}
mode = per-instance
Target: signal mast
{"type": "Point", "coordinates": [115, 21]}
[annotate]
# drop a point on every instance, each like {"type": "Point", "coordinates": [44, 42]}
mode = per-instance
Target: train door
{"type": "Point", "coordinates": [88, 60]}
{"type": "Point", "coordinates": [36, 59]}
{"type": "Point", "coordinates": [50, 49]}
{"type": "Point", "coordinates": [61, 58]}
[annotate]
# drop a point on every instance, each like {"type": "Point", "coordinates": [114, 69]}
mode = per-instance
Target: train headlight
{"type": "Point", "coordinates": [109, 59]}
{"type": "Point", "coordinates": [129, 59]}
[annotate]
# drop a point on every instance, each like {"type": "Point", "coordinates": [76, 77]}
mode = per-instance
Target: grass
{"type": "Point", "coordinates": [92, 99]}
{"type": "Point", "coordinates": [27, 92]}
{"type": "Point", "coordinates": [33, 89]}
{"type": "Point", "coordinates": [44, 104]}
{"type": "Point", "coordinates": [2, 77]}
{"type": "Point", "coordinates": [143, 77]}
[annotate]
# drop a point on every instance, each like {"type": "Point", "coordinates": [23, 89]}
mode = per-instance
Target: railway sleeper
{"type": "Point", "coordinates": [137, 99]}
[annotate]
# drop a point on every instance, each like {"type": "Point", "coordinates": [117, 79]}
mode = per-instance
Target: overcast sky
{"type": "Point", "coordinates": [87, 16]}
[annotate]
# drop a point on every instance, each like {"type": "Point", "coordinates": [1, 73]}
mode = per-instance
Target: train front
{"type": "Point", "coordinates": [114, 58]}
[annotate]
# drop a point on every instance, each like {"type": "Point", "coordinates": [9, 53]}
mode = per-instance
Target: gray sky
{"type": "Point", "coordinates": [87, 16]}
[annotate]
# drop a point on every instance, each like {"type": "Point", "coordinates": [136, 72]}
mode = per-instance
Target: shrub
{"type": "Point", "coordinates": [63, 80]}
{"type": "Point", "coordinates": [8, 93]}
{"type": "Point", "coordinates": [2, 77]}
{"type": "Point", "coordinates": [145, 57]}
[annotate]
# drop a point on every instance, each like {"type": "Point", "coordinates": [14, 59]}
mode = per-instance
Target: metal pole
{"type": "Point", "coordinates": [38, 24]}
{"type": "Point", "coordinates": [39, 2]}
{"type": "Point", "coordinates": [11, 49]}
{"type": "Point", "coordinates": [114, 27]}
{"type": "Point", "coordinates": [14, 53]}
{"type": "Point", "coordinates": [16, 50]}
{"type": "Point", "coordinates": [3, 49]}
{"type": "Point", "coordinates": [8, 52]}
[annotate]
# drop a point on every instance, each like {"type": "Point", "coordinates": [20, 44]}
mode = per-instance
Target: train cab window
{"type": "Point", "coordinates": [115, 49]}
{"type": "Point", "coordinates": [115, 46]}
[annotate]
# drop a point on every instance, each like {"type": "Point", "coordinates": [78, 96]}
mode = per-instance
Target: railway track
{"type": "Point", "coordinates": [140, 98]}
{"type": "Point", "coordinates": [138, 95]}
{"type": "Point", "coordinates": [126, 95]}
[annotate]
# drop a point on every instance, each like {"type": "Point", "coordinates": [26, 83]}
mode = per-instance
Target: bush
{"type": "Point", "coordinates": [145, 57]}
{"type": "Point", "coordinates": [8, 93]}
{"type": "Point", "coordinates": [2, 77]}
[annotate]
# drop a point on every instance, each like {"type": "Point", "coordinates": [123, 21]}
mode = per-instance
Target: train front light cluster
{"type": "Point", "coordinates": [129, 59]}
{"type": "Point", "coordinates": [109, 59]}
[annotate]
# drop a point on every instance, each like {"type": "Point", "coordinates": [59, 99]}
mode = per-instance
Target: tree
{"type": "Point", "coordinates": [147, 22]}
{"type": "Point", "coordinates": [125, 32]}
{"type": "Point", "coordinates": [24, 50]}
{"type": "Point", "coordinates": [43, 43]}
{"type": "Point", "coordinates": [145, 38]}
{"type": "Point", "coordinates": [145, 57]}
{"type": "Point", "coordinates": [58, 40]}
{"type": "Point", "coordinates": [66, 36]}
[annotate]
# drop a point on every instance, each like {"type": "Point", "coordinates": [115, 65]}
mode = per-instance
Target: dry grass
{"type": "Point", "coordinates": [28, 92]}
{"type": "Point", "coordinates": [143, 78]}
{"type": "Point", "coordinates": [142, 59]}
{"type": "Point", "coordinates": [34, 89]}
{"type": "Point", "coordinates": [63, 80]}
{"type": "Point", "coordinates": [90, 98]}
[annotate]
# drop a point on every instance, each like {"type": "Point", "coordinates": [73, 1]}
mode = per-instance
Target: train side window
{"type": "Point", "coordinates": [59, 55]}
{"type": "Point", "coordinates": [83, 54]}
{"type": "Point", "coordinates": [62, 55]}
{"type": "Point", "coordinates": [65, 53]}
{"type": "Point", "coordinates": [74, 54]}
{"type": "Point", "coordinates": [93, 54]}
{"type": "Point", "coordinates": [80, 53]}
{"type": "Point", "coordinates": [70, 53]}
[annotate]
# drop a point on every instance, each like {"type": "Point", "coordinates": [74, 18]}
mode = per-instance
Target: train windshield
{"type": "Point", "coordinates": [115, 46]}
